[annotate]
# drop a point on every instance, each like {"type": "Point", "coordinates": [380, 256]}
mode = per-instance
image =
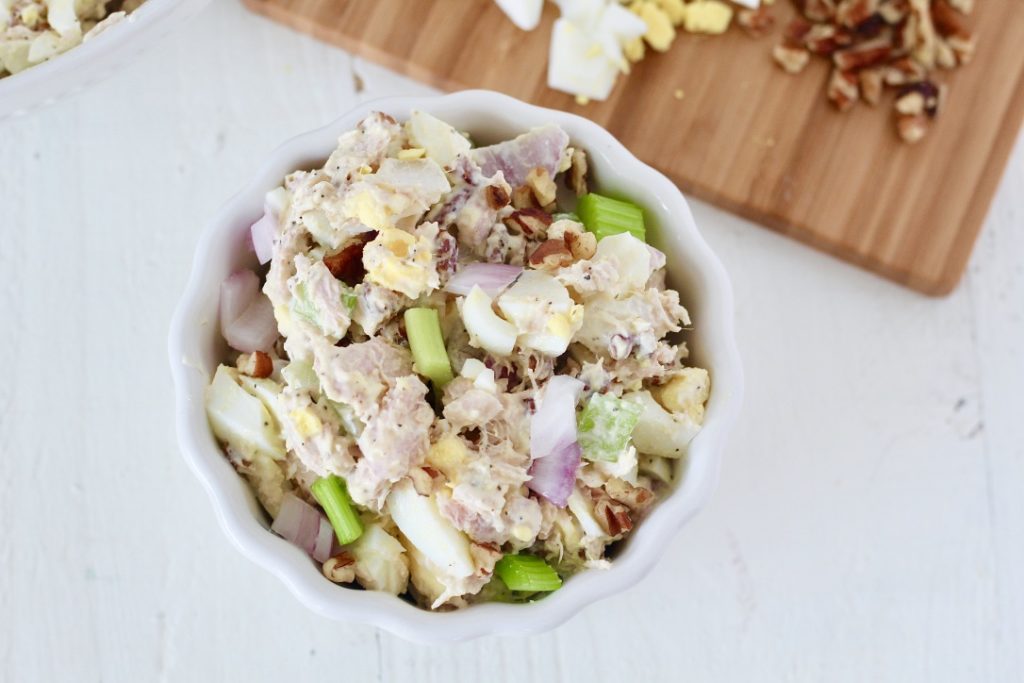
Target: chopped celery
{"type": "Point", "coordinates": [605, 425]}
{"type": "Point", "coordinates": [605, 216]}
{"type": "Point", "coordinates": [300, 375]}
{"type": "Point", "coordinates": [348, 297]}
{"type": "Point", "coordinates": [302, 305]}
{"type": "Point", "coordinates": [331, 493]}
{"type": "Point", "coordinates": [527, 573]}
{"type": "Point", "coordinates": [423, 328]}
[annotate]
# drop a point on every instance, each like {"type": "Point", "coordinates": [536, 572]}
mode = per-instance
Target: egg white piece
{"type": "Point", "coordinates": [524, 13]}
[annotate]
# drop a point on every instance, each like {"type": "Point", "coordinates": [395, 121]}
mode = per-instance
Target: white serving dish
{"type": "Point", "coordinates": [195, 349]}
{"type": "Point", "coordinates": [85, 64]}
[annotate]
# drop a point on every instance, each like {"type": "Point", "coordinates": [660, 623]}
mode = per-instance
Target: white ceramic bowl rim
{"type": "Point", "coordinates": [233, 502]}
{"type": "Point", "coordinates": [84, 64]}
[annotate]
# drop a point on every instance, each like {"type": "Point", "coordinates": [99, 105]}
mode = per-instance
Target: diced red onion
{"type": "Point", "coordinates": [304, 526]}
{"type": "Point", "coordinates": [553, 444]}
{"type": "Point", "coordinates": [246, 315]}
{"type": "Point", "coordinates": [490, 277]}
{"type": "Point", "coordinates": [262, 232]}
{"type": "Point", "coordinates": [554, 476]}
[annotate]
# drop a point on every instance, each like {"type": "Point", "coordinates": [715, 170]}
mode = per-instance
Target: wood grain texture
{"type": "Point", "coordinates": [746, 136]}
{"type": "Point", "coordinates": [867, 526]}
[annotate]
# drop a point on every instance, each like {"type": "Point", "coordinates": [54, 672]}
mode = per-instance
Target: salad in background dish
{"type": "Point", "coordinates": [33, 31]}
{"type": "Point", "coordinates": [453, 381]}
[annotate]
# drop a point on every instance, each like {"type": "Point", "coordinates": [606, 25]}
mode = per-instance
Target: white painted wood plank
{"type": "Point", "coordinates": [867, 526]}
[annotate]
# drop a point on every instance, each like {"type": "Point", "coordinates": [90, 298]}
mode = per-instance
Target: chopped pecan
{"type": "Point", "coordinates": [824, 39]}
{"type": "Point", "coordinates": [485, 556]}
{"type": "Point", "coordinates": [497, 197]}
{"type": "Point", "coordinates": [948, 22]}
{"type": "Point", "coordinates": [551, 254]}
{"type": "Point", "coordinates": [843, 89]}
{"type": "Point", "coordinates": [256, 364]}
{"type": "Point", "coordinates": [911, 127]}
{"type": "Point", "coordinates": [341, 568]}
{"type": "Point", "coordinates": [818, 10]}
{"type": "Point", "coordinates": [862, 55]}
{"type": "Point", "coordinates": [347, 264]}
{"type": "Point", "coordinates": [634, 497]}
{"type": "Point", "coordinates": [852, 13]}
{"type": "Point", "coordinates": [893, 11]}
{"type": "Point", "coordinates": [577, 176]}
{"type": "Point", "coordinates": [544, 189]}
{"type": "Point", "coordinates": [792, 59]}
{"type": "Point", "coordinates": [613, 516]}
{"type": "Point", "coordinates": [962, 47]}
{"type": "Point", "coordinates": [920, 98]}
{"type": "Point", "coordinates": [872, 82]}
{"type": "Point", "coordinates": [796, 30]}
{"type": "Point", "coordinates": [522, 198]}
{"type": "Point", "coordinates": [582, 245]}
{"type": "Point", "coordinates": [903, 71]}
{"type": "Point", "coordinates": [756, 22]}
{"type": "Point", "coordinates": [945, 57]}
{"type": "Point", "coordinates": [962, 6]}
{"type": "Point", "coordinates": [530, 222]}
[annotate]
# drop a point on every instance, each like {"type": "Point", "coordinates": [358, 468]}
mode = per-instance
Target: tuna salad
{"type": "Point", "coordinates": [33, 31]}
{"type": "Point", "coordinates": [457, 375]}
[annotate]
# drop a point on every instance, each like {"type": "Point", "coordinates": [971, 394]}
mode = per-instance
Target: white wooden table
{"type": "Point", "coordinates": [869, 525]}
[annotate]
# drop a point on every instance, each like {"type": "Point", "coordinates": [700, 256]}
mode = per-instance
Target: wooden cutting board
{"type": "Point", "coordinates": [745, 136]}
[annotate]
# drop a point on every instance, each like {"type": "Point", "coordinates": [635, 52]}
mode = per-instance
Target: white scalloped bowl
{"type": "Point", "coordinates": [85, 64]}
{"type": "Point", "coordinates": [195, 349]}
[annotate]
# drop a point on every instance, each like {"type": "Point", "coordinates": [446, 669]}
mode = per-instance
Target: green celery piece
{"type": "Point", "coordinates": [527, 573]}
{"type": "Point", "coordinates": [605, 425]}
{"type": "Point", "coordinates": [332, 494]}
{"type": "Point", "coordinates": [302, 306]}
{"type": "Point", "coordinates": [423, 327]}
{"type": "Point", "coordinates": [605, 216]}
{"type": "Point", "coordinates": [348, 297]}
{"type": "Point", "coordinates": [300, 375]}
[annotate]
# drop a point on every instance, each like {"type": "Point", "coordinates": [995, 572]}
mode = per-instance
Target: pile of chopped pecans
{"type": "Point", "coordinates": [879, 43]}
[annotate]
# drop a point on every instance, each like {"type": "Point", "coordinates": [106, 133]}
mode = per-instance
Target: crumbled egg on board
{"type": "Point", "coordinates": [595, 40]}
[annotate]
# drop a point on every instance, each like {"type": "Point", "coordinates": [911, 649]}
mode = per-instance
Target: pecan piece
{"type": "Point", "coordinates": [256, 364]}
{"type": "Point", "coordinates": [530, 222]}
{"type": "Point", "coordinates": [920, 98]}
{"type": "Point", "coordinates": [843, 89]}
{"type": "Point", "coordinates": [347, 264]}
{"type": "Point", "coordinates": [756, 22]}
{"type": "Point", "coordinates": [613, 516]}
{"type": "Point", "coordinates": [852, 13]}
{"type": "Point", "coordinates": [341, 568]}
{"type": "Point", "coordinates": [550, 255]}
{"type": "Point", "coordinates": [634, 497]}
{"type": "Point", "coordinates": [522, 198]}
{"type": "Point", "coordinates": [543, 187]}
{"type": "Point", "coordinates": [963, 48]}
{"type": "Point", "coordinates": [903, 71]}
{"type": "Point", "coordinates": [872, 82]}
{"type": "Point", "coordinates": [582, 245]}
{"type": "Point", "coordinates": [824, 39]}
{"type": "Point", "coordinates": [791, 59]}
{"type": "Point", "coordinates": [948, 22]}
{"type": "Point", "coordinates": [796, 30]}
{"type": "Point", "coordinates": [497, 197]}
{"type": "Point", "coordinates": [818, 10]}
{"type": "Point", "coordinates": [911, 127]}
{"type": "Point", "coordinates": [893, 11]}
{"type": "Point", "coordinates": [577, 176]}
{"type": "Point", "coordinates": [862, 55]}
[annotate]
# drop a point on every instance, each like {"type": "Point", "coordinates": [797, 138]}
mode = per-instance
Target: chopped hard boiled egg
{"type": "Point", "coordinates": [402, 262]}
{"type": "Point", "coordinates": [419, 520]}
{"type": "Point", "coordinates": [659, 432]}
{"type": "Point", "coordinates": [440, 141]}
{"type": "Point", "coordinates": [239, 419]}
{"type": "Point", "coordinates": [486, 329]}
{"type": "Point", "coordinates": [707, 16]}
{"type": "Point", "coordinates": [524, 13]}
{"type": "Point", "coordinates": [543, 312]}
